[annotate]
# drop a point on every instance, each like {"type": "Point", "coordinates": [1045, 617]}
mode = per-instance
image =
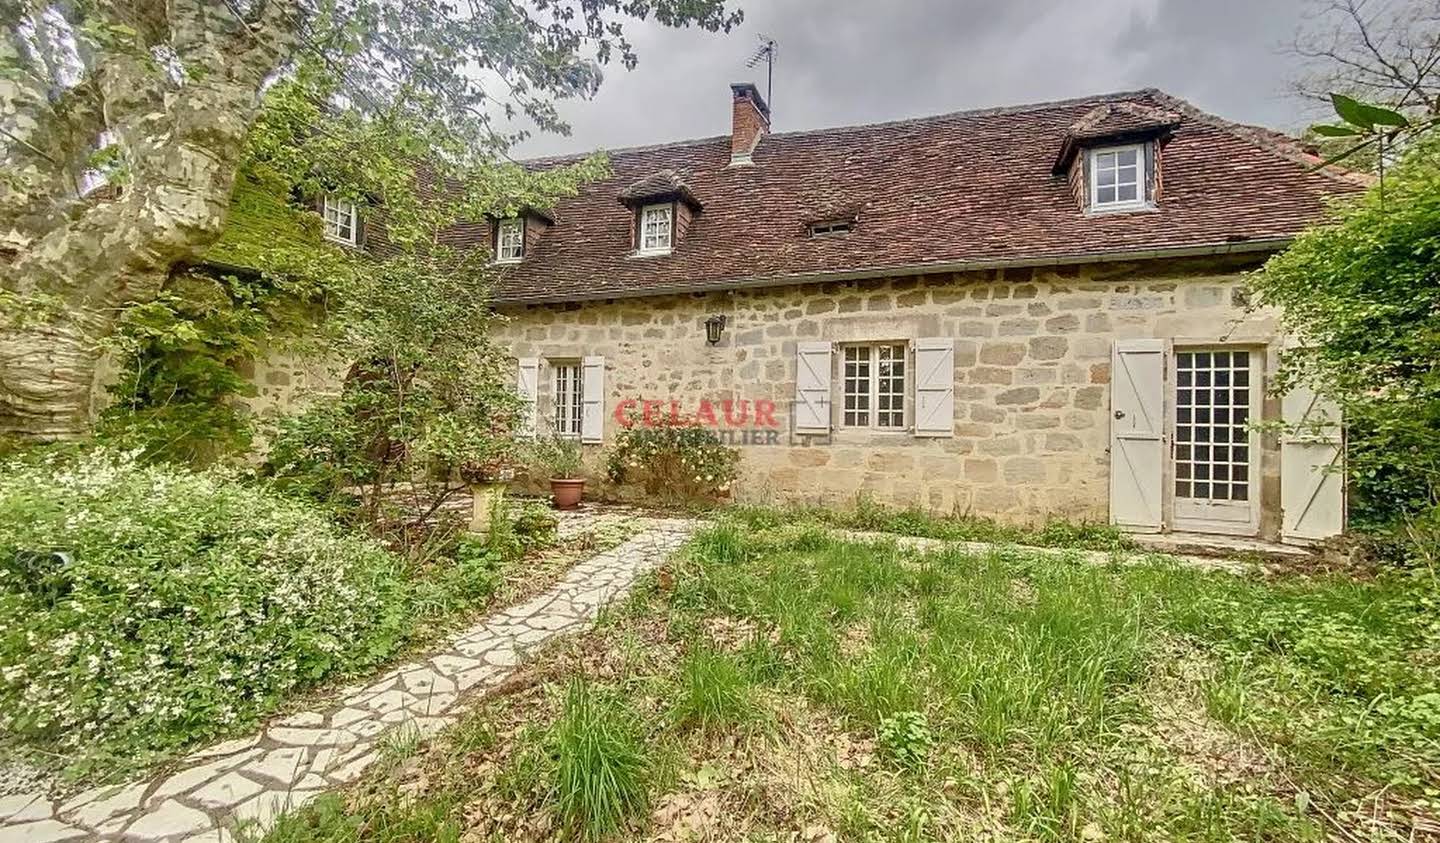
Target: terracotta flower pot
{"type": "Point", "coordinates": [567, 492]}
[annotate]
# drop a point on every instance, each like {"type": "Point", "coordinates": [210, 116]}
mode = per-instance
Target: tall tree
{"type": "Point", "coordinates": [168, 100]}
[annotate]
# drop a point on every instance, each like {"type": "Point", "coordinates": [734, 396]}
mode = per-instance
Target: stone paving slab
{"type": "Point", "coordinates": [296, 758]}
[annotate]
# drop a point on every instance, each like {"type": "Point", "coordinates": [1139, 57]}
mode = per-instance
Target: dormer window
{"type": "Point", "coordinates": [342, 222]}
{"type": "Point", "coordinates": [831, 228]}
{"type": "Point", "coordinates": [656, 229]}
{"type": "Point", "coordinates": [509, 240]}
{"type": "Point", "coordinates": [1117, 178]}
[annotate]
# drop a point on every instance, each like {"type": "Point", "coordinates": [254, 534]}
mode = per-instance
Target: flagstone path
{"type": "Point", "coordinates": [254, 779]}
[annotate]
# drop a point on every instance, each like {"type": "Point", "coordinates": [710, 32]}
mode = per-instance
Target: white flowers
{"type": "Point", "coordinates": [193, 603]}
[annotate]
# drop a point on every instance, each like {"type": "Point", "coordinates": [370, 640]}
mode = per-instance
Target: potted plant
{"type": "Point", "coordinates": [558, 457]}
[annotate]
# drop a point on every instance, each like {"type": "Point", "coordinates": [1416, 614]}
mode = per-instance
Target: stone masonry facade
{"type": "Point", "coordinates": [1032, 374]}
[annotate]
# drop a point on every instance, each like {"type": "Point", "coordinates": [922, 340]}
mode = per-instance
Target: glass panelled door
{"type": "Point", "coordinates": [1214, 453]}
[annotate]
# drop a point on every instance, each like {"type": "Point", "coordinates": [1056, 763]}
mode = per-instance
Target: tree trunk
{"type": "Point", "coordinates": [47, 378]}
{"type": "Point", "coordinates": [182, 138]}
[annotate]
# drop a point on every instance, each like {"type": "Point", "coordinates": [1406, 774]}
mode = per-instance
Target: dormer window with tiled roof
{"type": "Point", "coordinates": [510, 240]}
{"type": "Point", "coordinates": [1112, 156]}
{"type": "Point", "coordinates": [664, 207]}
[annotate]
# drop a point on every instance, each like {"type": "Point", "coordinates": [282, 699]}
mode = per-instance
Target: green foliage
{"type": "Point", "coordinates": [429, 400]}
{"type": "Point", "coordinates": [1362, 295]}
{"type": "Point", "coordinates": [185, 356]}
{"type": "Point", "coordinates": [189, 605]}
{"type": "Point", "coordinates": [673, 458]}
{"type": "Point", "coordinates": [192, 603]}
{"type": "Point", "coordinates": [598, 768]}
{"type": "Point", "coordinates": [556, 457]}
{"type": "Point", "coordinates": [1367, 132]}
{"type": "Point", "coordinates": [436, 818]}
{"type": "Point", "coordinates": [906, 738]}
{"type": "Point", "coordinates": [535, 524]}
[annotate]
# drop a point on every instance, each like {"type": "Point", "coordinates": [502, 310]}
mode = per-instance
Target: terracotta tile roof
{"type": "Point", "coordinates": [970, 189]}
{"type": "Point", "coordinates": [660, 185]}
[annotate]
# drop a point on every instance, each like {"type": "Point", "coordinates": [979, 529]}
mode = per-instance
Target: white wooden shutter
{"type": "Point", "coordinates": [812, 387]}
{"type": "Point", "coordinates": [1137, 434]}
{"type": "Point", "coordinates": [528, 385]}
{"type": "Point", "coordinates": [935, 387]}
{"type": "Point", "coordinates": [592, 399]}
{"type": "Point", "coordinates": [1312, 485]}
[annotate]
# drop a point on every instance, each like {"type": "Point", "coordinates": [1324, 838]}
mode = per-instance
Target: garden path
{"type": "Point", "coordinates": [252, 780]}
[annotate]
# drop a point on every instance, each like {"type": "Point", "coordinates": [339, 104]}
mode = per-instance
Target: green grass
{"type": "Point", "coordinates": [865, 514]}
{"type": "Point", "coordinates": [597, 764]}
{"type": "Point", "coordinates": [712, 691]}
{"type": "Point", "coordinates": [912, 696]}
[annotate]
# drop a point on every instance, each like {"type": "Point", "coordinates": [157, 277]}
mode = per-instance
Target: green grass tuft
{"type": "Point", "coordinates": [711, 692]}
{"type": "Point", "coordinates": [600, 765]}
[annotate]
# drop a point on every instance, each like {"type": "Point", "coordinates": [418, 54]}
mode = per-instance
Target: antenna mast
{"type": "Point", "coordinates": [766, 53]}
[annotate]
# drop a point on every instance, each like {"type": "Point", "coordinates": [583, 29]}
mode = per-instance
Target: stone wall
{"type": "Point", "coordinates": [1032, 373]}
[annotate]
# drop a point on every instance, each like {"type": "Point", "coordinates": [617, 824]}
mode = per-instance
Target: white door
{"type": "Point", "coordinates": [1216, 457]}
{"type": "Point", "coordinates": [1312, 487]}
{"type": "Point", "coordinates": [1137, 434]}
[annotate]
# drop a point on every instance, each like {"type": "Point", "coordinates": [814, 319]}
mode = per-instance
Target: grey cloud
{"type": "Point", "coordinates": [851, 62]}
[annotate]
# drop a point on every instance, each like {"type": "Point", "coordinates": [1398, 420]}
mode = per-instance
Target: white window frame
{"type": "Point", "coordinates": [335, 211]}
{"type": "Point", "coordinates": [667, 211]}
{"type": "Point", "coordinates": [512, 229]}
{"type": "Point", "coordinates": [567, 385]}
{"type": "Point", "coordinates": [873, 352]}
{"type": "Point", "coordinates": [1093, 167]}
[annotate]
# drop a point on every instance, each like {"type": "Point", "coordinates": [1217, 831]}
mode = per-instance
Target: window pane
{"type": "Point", "coordinates": [1105, 195]}
{"type": "Point", "coordinates": [1126, 158]}
{"type": "Point", "coordinates": [1127, 193]}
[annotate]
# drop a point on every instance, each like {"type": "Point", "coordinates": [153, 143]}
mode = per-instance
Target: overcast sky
{"type": "Point", "coordinates": [846, 61]}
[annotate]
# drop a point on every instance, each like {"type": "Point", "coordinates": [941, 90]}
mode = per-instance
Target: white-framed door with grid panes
{"type": "Point", "coordinates": [1215, 456]}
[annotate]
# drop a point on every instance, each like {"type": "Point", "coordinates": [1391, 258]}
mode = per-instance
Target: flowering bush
{"type": "Point", "coordinates": [674, 458]}
{"type": "Point", "coordinates": [145, 607]}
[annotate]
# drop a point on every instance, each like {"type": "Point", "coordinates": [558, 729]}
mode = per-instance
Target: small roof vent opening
{"type": "Point", "coordinates": [831, 228]}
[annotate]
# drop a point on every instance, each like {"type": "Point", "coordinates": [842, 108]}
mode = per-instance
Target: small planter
{"type": "Point", "coordinates": [484, 497]}
{"type": "Point", "coordinates": [566, 492]}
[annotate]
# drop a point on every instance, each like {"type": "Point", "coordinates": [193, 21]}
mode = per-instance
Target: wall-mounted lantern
{"type": "Point", "coordinates": [714, 327]}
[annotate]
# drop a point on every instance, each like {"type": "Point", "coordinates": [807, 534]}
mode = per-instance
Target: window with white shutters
{"type": "Point", "coordinates": [874, 386]}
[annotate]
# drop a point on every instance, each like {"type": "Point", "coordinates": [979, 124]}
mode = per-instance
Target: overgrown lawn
{"type": "Point", "coordinates": [782, 684]}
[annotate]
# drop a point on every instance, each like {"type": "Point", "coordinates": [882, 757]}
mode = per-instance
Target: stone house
{"type": "Point", "coordinates": [1024, 313]}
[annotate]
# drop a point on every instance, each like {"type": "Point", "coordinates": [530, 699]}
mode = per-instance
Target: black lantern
{"type": "Point", "coordinates": [714, 326]}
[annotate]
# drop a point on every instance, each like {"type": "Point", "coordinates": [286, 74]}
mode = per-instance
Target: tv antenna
{"type": "Point", "coordinates": [766, 52]}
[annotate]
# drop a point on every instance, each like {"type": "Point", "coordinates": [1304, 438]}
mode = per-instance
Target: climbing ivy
{"type": "Point", "coordinates": [183, 359]}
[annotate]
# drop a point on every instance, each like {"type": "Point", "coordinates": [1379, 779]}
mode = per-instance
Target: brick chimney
{"type": "Point", "coordinates": [750, 121]}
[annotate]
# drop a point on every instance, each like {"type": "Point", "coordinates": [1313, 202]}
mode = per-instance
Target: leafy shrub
{"type": "Point", "coordinates": [186, 605]}
{"type": "Point", "coordinates": [906, 738]}
{"type": "Point", "coordinates": [535, 524]}
{"type": "Point", "coordinates": [1361, 297]}
{"type": "Point", "coordinates": [599, 769]}
{"type": "Point", "coordinates": [675, 459]}
{"type": "Point", "coordinates": [556, 457]}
